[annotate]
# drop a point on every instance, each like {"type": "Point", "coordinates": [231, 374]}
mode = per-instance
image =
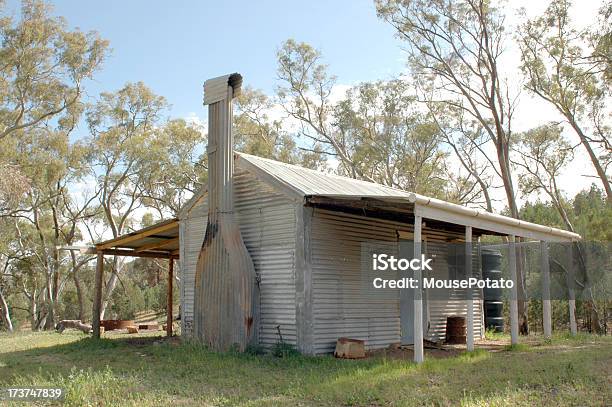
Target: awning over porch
{"type": "Point", "coordinates": [160, 240]}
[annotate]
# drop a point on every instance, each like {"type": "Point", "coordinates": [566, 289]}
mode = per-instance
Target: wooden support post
{"type": "Point", "coordinates": [514, 328]}
{"type": "Point", "coordinates": [546, 308]}
{"type": "Point", "coordinates": [97, 302]}
{"type": "Point", "coordinates": [570, 291]}
{"type": "Point", "coordinates": [419, 355]}
{"type": "Point", "coordinates": [169, 302]}
{"type": "Point", "coordinates": [470, 300]}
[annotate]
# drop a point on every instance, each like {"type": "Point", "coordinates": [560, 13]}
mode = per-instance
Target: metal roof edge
{"type": "Point", "coordinates": [191, 203]}
{"type": "Point", "coordinates": [275, 182]}
{"type": "Point", "coordinates": [451, 207]}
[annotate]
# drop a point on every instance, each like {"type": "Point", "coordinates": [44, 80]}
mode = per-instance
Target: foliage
{"type": "Point", "coordinates": [258, 134]}
{"type": "Point", "coordinates": [43, 67]}
{"type": "Point", "coordinates": [454, 52]}
{"type": "Point", "coordinates": [375, 130]}
{"type": "Point", "coordinates": [588, 211]}
{"type": "Point", "coordinates": [283, 350]}
{"type": "Point", "coordinates": [560, 69]}
{"type": "Point", "coordinates": [393, 142]}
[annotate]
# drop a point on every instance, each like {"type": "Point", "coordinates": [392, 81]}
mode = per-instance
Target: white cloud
{"type": "Point", "coordinates": [196, 119]}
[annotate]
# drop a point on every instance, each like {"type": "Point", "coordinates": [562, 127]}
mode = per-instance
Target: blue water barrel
{"type": "Point", "coordinates": [493, 297]}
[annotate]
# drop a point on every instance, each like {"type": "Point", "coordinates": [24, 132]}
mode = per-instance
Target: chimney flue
{"type": "Point", "coordinates": [226, 292]}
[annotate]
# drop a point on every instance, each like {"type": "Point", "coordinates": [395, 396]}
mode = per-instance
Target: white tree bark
{"type": "Point", "coordinates": [4, 312]}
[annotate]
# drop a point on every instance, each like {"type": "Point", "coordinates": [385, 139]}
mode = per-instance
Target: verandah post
{"type": "Point", "coordinates": [419, 356]}
{"type": "Point", "coordinates": [514, 329]}
{"type": "Point", "coordinates": [169, 296]}
{"type": "Point", "coordinates": [97, 302]}
{"type": "Point", "coordinates": [470, 300]}
{"type": "Point", "coordinates": [571, 293]}
{"type": "Point", "coordinates": [546, 308]}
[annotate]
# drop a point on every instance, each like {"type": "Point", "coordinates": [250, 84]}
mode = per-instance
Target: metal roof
{"type": "Point", "coordinates": [306, 183]}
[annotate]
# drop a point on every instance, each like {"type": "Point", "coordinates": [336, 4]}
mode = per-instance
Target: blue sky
{"type": "Point", "coordinates": [174, 46]}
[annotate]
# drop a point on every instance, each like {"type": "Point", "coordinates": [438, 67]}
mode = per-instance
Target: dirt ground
{"type": "Point", "coordinates": [436, 351]}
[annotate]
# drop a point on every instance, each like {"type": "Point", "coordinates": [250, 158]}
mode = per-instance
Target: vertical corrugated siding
{"type": "Point", "coordinates": [191, 235]}
{"type": "Point", "coordinates": [267, 222]}
{"type": "Point", "coordinates": [339, 306]}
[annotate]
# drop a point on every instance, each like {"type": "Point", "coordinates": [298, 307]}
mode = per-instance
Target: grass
{"type": "Point", "coordinates": [112, 371]}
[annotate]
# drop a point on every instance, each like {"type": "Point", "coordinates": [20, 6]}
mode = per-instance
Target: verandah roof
{"type": "Point", "coordinates": [160, 240]}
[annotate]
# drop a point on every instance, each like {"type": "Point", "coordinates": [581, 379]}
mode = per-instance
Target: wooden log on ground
{"type": "Point", "coordinates": [74, 324]}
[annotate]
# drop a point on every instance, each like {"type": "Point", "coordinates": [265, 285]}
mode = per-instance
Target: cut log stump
{"type": "Point", "coordinates": [132, 329]}
{"type": "Point", "coordinates": [350, 348]}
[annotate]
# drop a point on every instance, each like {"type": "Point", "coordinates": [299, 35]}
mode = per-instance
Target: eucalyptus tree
{"type": "Point", "coordinates": [305, 94]}
{"type": "Point", "coordinates": [564, 71]}
{"type": "Point", "coordinates": [454, 51]}
{"type": "Point", "coordinates": [542, 153]}
{"type": "Point", "coordinates": [124, 126]}
{"type": "Point", "coordinates": [42, 66]}
{"type": "Point", "coordinates": [375, 131]}
{"type": "Point", "coordinates": [175, 165]}
{"type": "Point", "coordinates": [257, 132]}
{"type": "Point", "coordinates": [6, 258]}
{"type": "Point", "coordinates": [467, 141]}
{"type": "Point", "coordinates": [392, 142]}
{"type": "Point", "coordinates": [599, 37]}
{"type": "Point", "coordinates": [53, 164]}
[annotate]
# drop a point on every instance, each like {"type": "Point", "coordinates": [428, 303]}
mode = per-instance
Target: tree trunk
{"type": "Point", "coordinates": [598, 168]}
{"type": "Point", "coordinates": [50, 305]}
{"type": "Point", "coordinates": [110, 287]}
{"type": "Point", "coordinates": [79, 291]}
{"type": "Point", "coordinates": [33, 311]}
{"type": "Point", "coordinates": [504, 165]}
{"type": "Point", "coordinates": [5, 313]}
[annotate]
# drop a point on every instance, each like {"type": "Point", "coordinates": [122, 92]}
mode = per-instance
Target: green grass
{"type": "Point", "coordinates": [493, 335]}
{"type": "Point", "coordinates": [564, 371]}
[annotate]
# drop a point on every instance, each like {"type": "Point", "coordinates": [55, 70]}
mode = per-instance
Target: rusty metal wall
{"type": "Point", "coordinates": [339, 307]}
{"type": "Point", "coordinates": [267, 222]}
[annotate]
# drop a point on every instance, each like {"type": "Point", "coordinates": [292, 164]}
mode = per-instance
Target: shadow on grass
{"type": "Point", "coordinates": [124, 371]}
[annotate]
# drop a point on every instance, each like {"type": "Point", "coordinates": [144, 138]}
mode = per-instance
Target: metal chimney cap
{"type": "Point", "coordinates": [215, 89]}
